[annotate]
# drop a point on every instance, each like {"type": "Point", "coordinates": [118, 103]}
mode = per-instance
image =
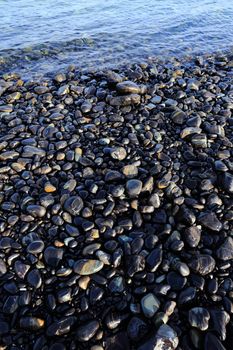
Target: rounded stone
{"type": "Point", "coordinates": [134, 187]}
{"type": "Point", "coordinates": [87, 267]}
{"type": "Point", "coordinates": [199, 318]}
{"type": "Point", "coordinates": [73, 205]}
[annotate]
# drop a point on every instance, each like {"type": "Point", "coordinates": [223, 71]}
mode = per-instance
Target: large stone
{"type": "Point", "coordinates": [150, 305]}
{"type": "Point", "coordinates": [210, 221]}
{"type": "Point", "coordinates": [73, 205]}
{"type": "Point", "coordinates": [199, 318]}
{"type": "Point", "coordinates": [128, 87]}
{"type": "Point", "coordinates": [204, 264]}
{"type": "Point", "coordinates": [88, 266]}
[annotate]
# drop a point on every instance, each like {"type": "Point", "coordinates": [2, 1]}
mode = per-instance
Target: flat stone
{"type": "Point", "coordinates": [6, 109]}
{"type": "Point", "coordinates": [8, 155]}
{"type": "Point", "coordinates": [31, 151]}
{"type": "Point", "coordinates": [150, 305]}
{"type": "Point", "coordinates": [87, 266]}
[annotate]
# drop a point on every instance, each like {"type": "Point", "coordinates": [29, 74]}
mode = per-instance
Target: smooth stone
{"type": "Point", "coordinates": [136, 329]}
{"type": "Point", "coordinates": [31, 151]}
{"type": "Point", "coordinates": [87, 331]}
{"type": "Point", "coordinates": [176, 281]}
{"type": "Point", "coordinates": [31, 323]}
{"type": "Point", "coordinates": [60, 77]}
{"type": "Point", "coordinates": [86, 267]}
{"type": "Point", "coordinates": [154, 259]}
{"type": "Point", "coordinates": [37, 211]}
{"type": "Point", "coordinates": [156, 99]}
{"type": "Point", "coordinates": [210, 221]}
{"type": "Point", "coordinates": [21, 269]}
{"type": "Point", "coordinates": [165, 339]}
{"type": "Point", "coordinates": [150, 305]}
{"type": "Point", "coordinates": [192, 236]}
{"type": "Point", "coordinates": [178, 117]}
{"type": "Point", "coordinates": [113, 77]}
{"type": "Point", "coordinates": [6, 109]}
{"type": "Point", "coordinates": [130, 171]}
{"type": "Point", "coordinates": [116, 285]}
{"type": "Point", "coordinates": [134, 187]}
{"type": "Point", "coordinates": [199, 318]}
{"type": "Point", "coordinates": [73, 205]}
{"type": "Point", "coordinates": [118, 153]}
{"type": "Point", "coordinates": [34, 278]}
{"type": "Point", "coordinates": [199, 141]}
{"type": "Point", "coordinates": [61, 327]}
{"type": "Point", "coordinates": [189, 131]}
{"type": "Point", "coordinates": [225, 251]}
{"type": "Point", "coordinates": [35, 247]}
{"type": "Point", "coordinates": [204, 264]}
{"type": "Point", "coordinates": [8, 155]}
{"type": "Point", "coordinates": [128, 87]}
{"type": "Point", "coordinates": [187, 295]}
{"type": "Point", "coordinates": [135, 263]}
{"type": "Point", "coordinates": [53, 256]}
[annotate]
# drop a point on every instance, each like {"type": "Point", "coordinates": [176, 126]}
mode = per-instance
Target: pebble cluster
{"type": "Point", "coordinates": [116, 208]}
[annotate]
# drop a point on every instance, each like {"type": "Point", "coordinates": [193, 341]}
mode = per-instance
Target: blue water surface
{"type": "Point", "coordinates": [43, 35]}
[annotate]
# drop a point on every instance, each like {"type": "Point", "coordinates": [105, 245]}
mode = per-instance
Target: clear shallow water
{"type": "Point", "coordinates": [45, 35]}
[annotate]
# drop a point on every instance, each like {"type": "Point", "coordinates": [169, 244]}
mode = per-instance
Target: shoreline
{"type": "Point", "coordinates": [116, 207]}
{"type": "Point", "coordinates": [33, 63]}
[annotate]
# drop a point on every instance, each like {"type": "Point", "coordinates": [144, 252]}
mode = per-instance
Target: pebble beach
{"type": "Point", "coordinates": [116, 207]}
